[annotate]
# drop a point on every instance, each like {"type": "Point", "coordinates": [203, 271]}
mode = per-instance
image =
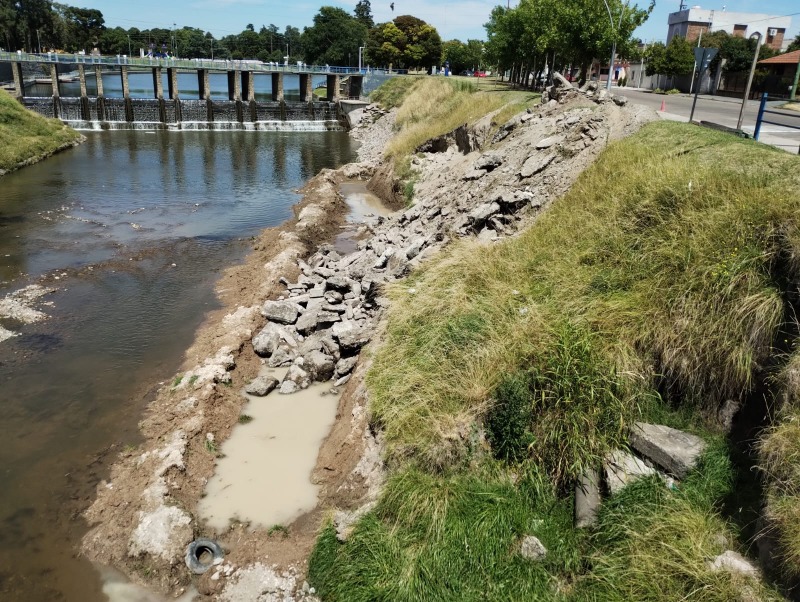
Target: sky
{"type": "Point", "coordinates": [461, 19]}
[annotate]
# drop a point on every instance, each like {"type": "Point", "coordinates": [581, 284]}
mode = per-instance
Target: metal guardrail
{"type": "Point", "coordinates": [212, 64]}
{"type": "Point", "coordinates": [762, 110]}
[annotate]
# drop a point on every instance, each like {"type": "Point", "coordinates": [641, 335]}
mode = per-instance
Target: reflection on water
{"type": "Point", "coordinates": [141, 223]}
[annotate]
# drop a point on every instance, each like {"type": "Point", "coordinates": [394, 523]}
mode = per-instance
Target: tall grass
{"type": "Point", "coordinates": [673, 250]}
{"type": "Point", "coordinates": [779, 454]}
{"type": "Point", "coordinates": [25, 135]}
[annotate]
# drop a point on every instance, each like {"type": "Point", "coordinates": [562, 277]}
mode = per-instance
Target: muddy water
{"type": "Point", "coordinates": [363, 208]}
{"type": "Point", "coordinates": [264, 477]}
{"type": "Point", "coordinates": [132, 230]}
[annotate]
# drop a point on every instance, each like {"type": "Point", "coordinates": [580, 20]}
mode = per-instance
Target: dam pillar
{"type": "Point", "coordinates": [355, 85]}
{"type": "Point", "coordinates": [158, 91]}
{"type": "Point", "coordinates": [101, 101]}
{"type": "Point", "coordinates": [277, 87]}
{"type": "Point", "coordinates": [85, 113]}
{"type": "Point", "coordinates": [306, 88]}
{"type": "Point", "coordinates": [333, 88]}
{"type": "Point", "coordinates": [126, 94]}
{"type": "Point", "coordinates": [56, 91]}
{"type": "Point", "coordinates": [249, 94]}
{"type": "Point", "coordinates": [172, 84]}
{"type": "Point", "coordinates": [235, 93]}
{"type": "Point", "coordinates": [19, 83]}
{"type": "Point", "coordinates": [203, 84]}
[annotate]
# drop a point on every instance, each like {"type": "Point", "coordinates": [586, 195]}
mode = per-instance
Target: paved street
{"type": "Point", "coordinates": [724, 111]}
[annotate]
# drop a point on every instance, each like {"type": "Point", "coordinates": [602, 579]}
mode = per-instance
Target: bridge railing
{"type": "Point", "coordinates": [212, 64]}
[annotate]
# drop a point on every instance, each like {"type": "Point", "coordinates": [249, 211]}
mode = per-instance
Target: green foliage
{"type": "Point", "coordinates": [406, 42]}
{"type": "Point", "coordinates": [245, 418]}
{"type": "Point", "coordinates": [334, 38]}
{"type": "Point", "coordinates": [463, 56]}
{"type": "Point", "coordinates": [567, 411]}
{"type": "Point", "coordinates": [577, 31]}
{"type": "Point", "coordinates": [392, 92]}
{"type": "Point", "coordinates": [737, 51]}
{"type": "Point", "coordinates": [673, 60]}
{"type": "Point", "coordinates": [795, 45]}
{"type": "Point", "coordinates": [363, 13]}
{"type": "Point", "coordinates": [672, 91]}
{"type": "Point", "coordinates": [450, 538]}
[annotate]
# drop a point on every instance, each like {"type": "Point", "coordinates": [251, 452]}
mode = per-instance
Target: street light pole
{"type": "Point", "coordinates": [614, 43]}
{"type": "Point", "coordinates": [129, 44]}
{"type": "Point", "coordinates": [749, 80]}
{"type": "Point", "coordinates": [360, 50]}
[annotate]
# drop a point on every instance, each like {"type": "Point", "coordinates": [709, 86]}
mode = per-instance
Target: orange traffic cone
{"type": "Point", "coordinates": [663, 106]}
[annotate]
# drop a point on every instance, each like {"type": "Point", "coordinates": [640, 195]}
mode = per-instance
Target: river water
{"type": "Point", "coordinates": [131, 229]}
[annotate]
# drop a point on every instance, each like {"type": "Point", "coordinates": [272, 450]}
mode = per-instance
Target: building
{"type": "Point", "coordinates": [781, 74]}
{"type": "Point", "coordinates": [692, 22]}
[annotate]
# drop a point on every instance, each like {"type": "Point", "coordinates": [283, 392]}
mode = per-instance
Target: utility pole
{"type": "Point", "coordinates": [749, 80]}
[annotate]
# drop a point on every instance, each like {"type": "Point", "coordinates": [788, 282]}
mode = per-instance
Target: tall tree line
{"type": "Point", "coordinates": [335, 37]}
{"type": "Point", "coordinates": [561, 33]}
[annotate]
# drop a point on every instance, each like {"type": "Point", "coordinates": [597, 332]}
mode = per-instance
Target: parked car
{"type": "Point", "coordinates": [467, 72]}
{"type": "Point", "coordinates": [480, 74]}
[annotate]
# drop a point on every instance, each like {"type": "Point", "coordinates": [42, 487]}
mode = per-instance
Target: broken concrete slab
{"type": "Point", "coordinates": [623, 468]}
{"type": "Point", "coordinates": [535, 164]}
{"type": "Point", "coordinates": [674, 450]}
{"type": "Point", "coordinates": [283, 312]}
{"type": "Point", "coordinates": [587, 499]}
{"type": "Point", "coordinates": [261, 386]}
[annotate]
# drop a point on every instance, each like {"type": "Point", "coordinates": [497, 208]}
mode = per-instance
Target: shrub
{"type": "Point", "coordinates": [673, 91]}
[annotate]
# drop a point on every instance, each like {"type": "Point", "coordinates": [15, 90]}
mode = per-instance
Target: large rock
{"type": "Point", "coordinates": [534, 164]}
{"type": "Point", "coordinates": [261, 386]}
{"type": "Point", "coordinates": [587, 499]}
{"type": "Point", "coordinates": [532, 548]}
{"type": "Point", "coordinates": [481, 213]}
{"type": "Point", "coordinates": [266, 342]}
{"type": "Point", "coordinates": [489, 161]}
{"type": "Point", "coordinates": [282, 356]}
{"type": "Point", "coordinates": [350, 336]}
{"type": "Point", "coordinates": [283, 312]}
{"type": "Point", "coordinates": [296, 378]}
{"type": "Point", "coordinates": [670, 448]}
{"type": "Point", "coordinates": [548, 142]}
{"type": "Point", "coordinates": [623, 468]}
{"type": "Point", "coordinates": [320, 366]}
{"type": "Point", "coordinates": [733, 562]}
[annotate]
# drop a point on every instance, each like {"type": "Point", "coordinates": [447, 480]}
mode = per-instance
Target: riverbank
{"type": "Point", "coordinates": [552, 283]}
{"type": "Point", "coordinates": [147, 512]}
{"type": "Point", "coordinates": [27, 138]}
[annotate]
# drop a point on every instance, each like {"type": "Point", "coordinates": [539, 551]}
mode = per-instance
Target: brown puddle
{"type": "Point", "coordinates": [364, 207]}
{"type": "Point", "coordinates": [264, 476]}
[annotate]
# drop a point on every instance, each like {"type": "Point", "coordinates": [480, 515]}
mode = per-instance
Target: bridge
{"type": "Point", "coordinates": [170, 110]}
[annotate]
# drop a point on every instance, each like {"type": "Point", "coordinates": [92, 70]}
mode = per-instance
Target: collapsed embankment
{"type": "Point", "coordinates": [146, 514]}
{"type": "Point", "coordinates": [27, 138]}
{"type": "Point", "coordinates": [502, 372]}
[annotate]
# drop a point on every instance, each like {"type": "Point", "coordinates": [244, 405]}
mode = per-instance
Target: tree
{"type": "Point", "coordinates": [363, 13]}
{"type": "Point", "coordinates": [84, 27]}
{"type": "Point", "coordinates": [405, 42]}
{"type": "Point", "coordinates": [334, 38]}
{"type": "Point", "coordinates": [463, 56]}
{"type": "Point", "coordinates": [795, 45]}
{"type": "Point", "coordinates": [656, 58]}
{"type": "Point", "coordinates": [679, 57]}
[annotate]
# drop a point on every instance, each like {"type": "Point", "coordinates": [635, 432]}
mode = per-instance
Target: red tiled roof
{"type": "Point", "coordinates": [788, 58]}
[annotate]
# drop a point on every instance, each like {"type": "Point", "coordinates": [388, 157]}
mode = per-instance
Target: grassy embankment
{"type": "Point", "coordinates": [24, 135]}
{"type": "Point", "coordinates": [657, 288]}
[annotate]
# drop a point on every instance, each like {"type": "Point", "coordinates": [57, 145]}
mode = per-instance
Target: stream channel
{"type": "Point", "coordinates": [131, 230]}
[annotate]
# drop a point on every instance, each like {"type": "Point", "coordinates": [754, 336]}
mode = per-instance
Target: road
{"type": "Point", "coordinates": [724, 111]}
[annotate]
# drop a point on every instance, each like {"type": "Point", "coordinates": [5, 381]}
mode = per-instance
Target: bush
{"type": "Point", "coordinates": [658, 91]}
{"type": "Point", "coordinates": [673, 91]}
{"type": "Point", "coordinates": [566, 412]}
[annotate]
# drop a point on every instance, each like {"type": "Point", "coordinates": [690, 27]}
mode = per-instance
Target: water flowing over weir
{"type": "Point", "coordinates": [115, 113]}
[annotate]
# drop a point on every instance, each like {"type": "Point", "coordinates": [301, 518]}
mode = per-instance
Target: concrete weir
{"type": "Point", "coordinates": [241, 110]}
